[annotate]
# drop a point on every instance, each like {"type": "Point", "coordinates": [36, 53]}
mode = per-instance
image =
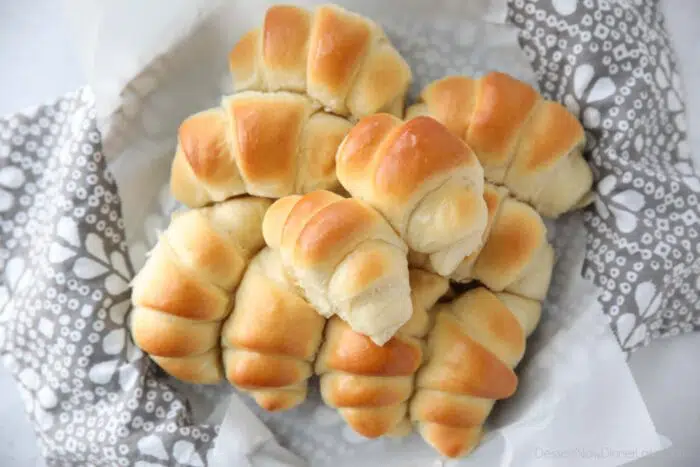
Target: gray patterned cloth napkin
{"type": "Point", "coordinates": [95, 399]}
{"type": "Point", "coordinates": [612, 64]}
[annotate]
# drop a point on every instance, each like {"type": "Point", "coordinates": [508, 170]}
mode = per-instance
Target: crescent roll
{"type": "Point", "coordinates": [265, 144]}
{"type": "Point", "coordinates": [424, 180]}
{"type": "Point", "coordinates": [346, 258]}
{"type": "Point", "coordinates": [340, 59]}
{"type": "Point", "coordinates": [476, 342]}
{"type": "Point", "coordinates": [369, 384]}
{"type": "Point", "coordinates": [514, 254]}
{"type": "Point", "coordinates": [531, 145]}
{"type": "Point", "coordinates": [271, 337]}
{"type": "Point", "coordinates": [184, 290]}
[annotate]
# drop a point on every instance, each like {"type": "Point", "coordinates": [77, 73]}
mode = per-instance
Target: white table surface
{"type": "Point", "coordinates": [39, 63]}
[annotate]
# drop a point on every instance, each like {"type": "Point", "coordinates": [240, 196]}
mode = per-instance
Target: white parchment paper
{"type": "Point", "coordinates": [151, 64]}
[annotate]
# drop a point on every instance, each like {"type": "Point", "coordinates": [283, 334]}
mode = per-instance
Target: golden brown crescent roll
{"type": "Point", "coordinates": [184, 290]}
{"type": "Point", "coordinates": [346, 258]}
{"type": "Point", "coordinates": [423, 179]}
{"type": "Point", "coordinates": [532, 145]}
{"type": "Point", "coordinates": [368, 384]}
{"type": "Point", "coordinates": [271, 337]}
{"type": "Point", "coordinates": [514, 255]}
{"type": "Point", "coordinates": [265, 144]}
{"type": "Point", "coordinates": [476, 342]}
{"type": "Point", "coordinates": [342, 60]}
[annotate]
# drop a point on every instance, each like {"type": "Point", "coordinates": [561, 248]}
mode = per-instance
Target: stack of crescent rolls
{"type": "Point", "coordinates": [328, 227]}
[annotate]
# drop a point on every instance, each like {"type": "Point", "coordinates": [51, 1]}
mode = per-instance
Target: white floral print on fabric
{"type": "Point", "coordinates": [91, 394]}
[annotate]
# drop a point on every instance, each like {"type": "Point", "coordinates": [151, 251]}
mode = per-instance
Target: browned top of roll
{"type": "Point", "coordinates": [283, 46]}
{"type": "Point", "coordinates": [203, 142]}
{"type": "Point", "coordinates": [452, 101]}
{"type": "Point", "coordinates": [502, 106]}
{"type": "Point", "coordinates": [514, 238]}
{"type": "Point", "coordinates": [409, 153]}
{"type": "Point", "coordinates": [355, 353]}
{"type": "Point", "coordinates": [339, 40]}
{"type": "Point", "coordinates": [552, 131]}
{"type": "Point", "coordinates": [268, 130]}
{"type": "Point", "coordinates": [466, 367]}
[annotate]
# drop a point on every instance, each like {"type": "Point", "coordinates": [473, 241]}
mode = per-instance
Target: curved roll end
{"type": "Point", "coordinates": [373, 422]}
{"type": "Point", "coordinates": [450, 100]}
{"type": "Point", "coordinates": [570, 187]}
{"type": "Point", "coordinates": [278, 400]}
{"type": "Point", "coordinates": [371, 287]}
{"type": "Point", "coordinates": [239, 221]}
{"type": "Point", "coordinates": [203, 170]}
{"type": "Point", "coordinates": [161, 334]}
{"type": "Point", "coordinates": [548, 169]}
{"type": "Point", "coordinates": [184, 185]}
{"type": "Point", "coordinates": [382, 82]}
{"type": "Point", "coordinates": [205, 368]}
{"type": "Point", "coordinates": [249, 370]}
{"type": "Point", "coordinates": [451, 441]}
{"type": "Point", "coordinates": [275, 218]}
{"type": "Point", "coordinates": [243, 62]}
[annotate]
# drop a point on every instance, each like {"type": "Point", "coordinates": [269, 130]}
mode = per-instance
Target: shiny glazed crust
{"type": "Point", "coordinates": [340, 59]}
{"type": "Point", "coordinates": [531, 145]}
